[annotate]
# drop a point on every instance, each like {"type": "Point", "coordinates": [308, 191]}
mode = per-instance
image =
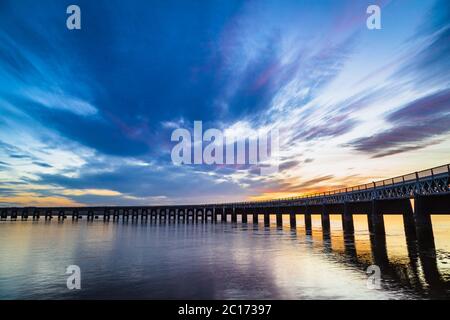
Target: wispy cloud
{"type": "Point", "coordinates": [87, 115]}
{"type": "Point", "coordinates": [413, 126]}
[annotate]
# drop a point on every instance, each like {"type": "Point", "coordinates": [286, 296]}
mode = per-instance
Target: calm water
{"type": "Point", "coordinates": [218, 261]}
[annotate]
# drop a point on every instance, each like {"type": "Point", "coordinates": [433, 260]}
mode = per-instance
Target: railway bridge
{"type": "Point", "coordinates": [415, 196]}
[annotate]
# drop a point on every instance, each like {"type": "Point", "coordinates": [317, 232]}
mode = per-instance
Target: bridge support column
{"type": "Point", "coordinates": [308, 224]}
{"type": "Point", "coordinates": [224, 215]}
{"type": "Point", "coordinates": [244, 215]}
{"type": "Point", "coordinates": [172, 214]}
{"type": "Point", "coordinates": [279, 214]}
{"type": "Point", "coordinates": [144, 214]}
{"type": "Point", "coordinates": [203, 215]}
{"type": "Point", "coordinates": [347, 220]}
{"type": "Point", "coordinates": [4, 214]}
{"type": "Point", "coordinates": [377, 219]}
{"type": "Point", "coordinates": [198, 214]}
{"type": "Point", "coordinates": [135, 214]}
{"type": "Point", "coordinates": [267, 216]}
{"type": "Point", "coordinates": [105, 214]}
{"type": "Point", "coordinates": [36, 214]}
{"type": "Point", "coordinates": [24, 214]}
{"type": "Point", "coordinates": [292, 218]}
{"type": "Point", "coordinates": [255, 215]}
{"type": "Point", "coordinates": [125, 214]}
{"type": "Point", "coordinates": [213, 215]}
{"type": "Point", "coordinates": [425, 240]}
{"type": "Point", "coordinates": [325, 220]}
{"type": "Point", "coordinates": [180, 215]}
{"type": "Point", "coordinates": [234, 215]}
{"type": "Point", "coordinates": [162, 215]}
{"type": "Point", "coordinates": [422, 219]}
{"type": "Point", "coordinates": [408, 222]}
{"type": "Point", "coordinates": [116, 214]}
{"type": "Point", "coordinates": [48, 214]}
{"type": "Point", "coordinates": [190, 215]}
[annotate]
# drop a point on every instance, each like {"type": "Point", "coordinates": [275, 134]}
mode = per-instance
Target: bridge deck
{"type": "Point", "coordinates": [429, 188]}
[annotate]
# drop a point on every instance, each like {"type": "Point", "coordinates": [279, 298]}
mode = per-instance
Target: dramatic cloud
{"type": "Point", "coordinates": [87, 115]}
{"type": "Point", "coordinates": [411, 126]}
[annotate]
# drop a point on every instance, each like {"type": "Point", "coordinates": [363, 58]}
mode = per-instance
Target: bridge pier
{"type": "Point", "coordinates": [4, 214]}
{"type": "Point", "coordinates": [267, 216]}
{"type": "Point", "coordinates": [134, 214]}
{"type": "Point", "coordinates": [408, 222]}
{"type": "Point", "coordinates": [195, 215]}
{"type": "Point", "coordinates": [255, 215]}
{"type": "Point", "coordinates": [172, 214]}
{"type": "Point", "coordinates": [347, 220]}
{"type": "Point", "coordinates": [144, 214]}
{"type": "Point", "coordinates": [181, 215]}
{"type": "Point", "coordinates": [198, 214]}
{"type": "Point", "coordinates": [91, 215]}
{"type": "Point", "coordinates": [244, 215]}
{"type": "Point", "coordinates": [325, 217]}
{"type": "Point", "coordinates": [292, 218]}
{"type": "Point", "coordinates": [106, 214]}
{"type": "Point", "coordinates": [308, 224]}
{"type": "Point", "coordinates": [61, 215]}
{"type": "Point", "coordinates": [162, 214]}
{"type": "Point", "coordinates": [189, 214]}
{"type": "Point", "coordinates": [223, 217]}
{"type": "Point", "coordinates": [153, 214]}
{"type": "Point", "coordinates": [36, 214]}
{"type": "Point", "coordinates": [422, 218]}
{"type": "Point", "coordinates": [24, 214]}
{"type": "Point", "coordinates": [125, 214]}
{"type": "Point", "coordinates": [14, 214]}
{"type": "Point", "coordinates": [116, 214]}
{"type": "Point", "coordinates": [376, 219]}
{"type": "Point", "coordinates": [234, 215]}
{"type": "Point", "coordinates": [210, 214]}
{"type": "Point", "coordinates": [48, 215]}
{"type": "Point", "coordinates": [279, 215]}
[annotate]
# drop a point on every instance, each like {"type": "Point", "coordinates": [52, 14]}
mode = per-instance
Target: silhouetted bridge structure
{"type": "Point", "coordinates": [430, 190]}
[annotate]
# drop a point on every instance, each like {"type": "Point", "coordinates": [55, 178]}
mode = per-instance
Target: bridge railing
{"type": "Point", "coordinates": [443, 170]}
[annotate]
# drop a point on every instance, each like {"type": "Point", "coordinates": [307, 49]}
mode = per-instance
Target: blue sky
{"type": "Point", "coordinates": [86, 115]}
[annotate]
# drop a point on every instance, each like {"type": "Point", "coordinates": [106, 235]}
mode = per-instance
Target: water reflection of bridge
{"type": "Point", "coordinates": [419, 274]}
{"type": "Point", "coordinates": [428, 190]}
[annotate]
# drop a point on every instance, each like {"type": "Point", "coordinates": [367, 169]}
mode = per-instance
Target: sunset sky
{"type": "Point", "coordinates": [86, 115]}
